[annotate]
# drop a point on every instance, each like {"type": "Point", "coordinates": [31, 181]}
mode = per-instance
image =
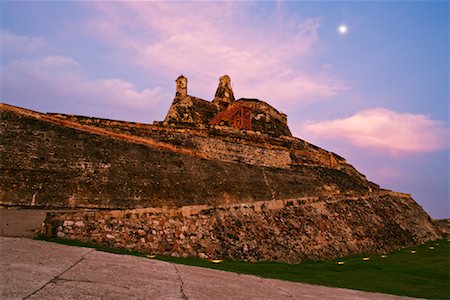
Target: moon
{"type": "Point", "coordinates": [343, 29]}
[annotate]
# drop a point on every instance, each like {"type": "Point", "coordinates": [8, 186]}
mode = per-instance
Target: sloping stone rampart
{"type": "Point", "coordinates": [288, 231]}
{"type": "Point", "coordinates": [49, 161]}
{"type": "Point", "coordinates": [222, 143]}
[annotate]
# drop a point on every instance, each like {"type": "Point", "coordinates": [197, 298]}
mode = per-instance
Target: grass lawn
{"type": "Point", "coordinates": [423, 274]}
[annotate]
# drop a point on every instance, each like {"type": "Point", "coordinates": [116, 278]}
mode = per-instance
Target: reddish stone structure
{"type": "Point", "coordinates": [237, 115]}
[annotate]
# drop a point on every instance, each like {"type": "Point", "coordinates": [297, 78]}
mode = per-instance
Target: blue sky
{"type": "Point", "coordinates": [377, 95]}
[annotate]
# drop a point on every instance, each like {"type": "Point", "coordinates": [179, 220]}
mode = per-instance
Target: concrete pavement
{"type": "Point", "coordinates": [41, 270]}
{"type": "Point", "coordinates": [21, 222]}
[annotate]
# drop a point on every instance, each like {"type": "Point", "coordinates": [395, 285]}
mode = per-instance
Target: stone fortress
{"type": "Point", "coordinates": [216, 179]}
{"type": "Point", "coordinates": [224, 110]}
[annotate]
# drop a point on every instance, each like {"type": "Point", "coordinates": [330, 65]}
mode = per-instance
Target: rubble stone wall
{"type": "Point", "coordinates": [284, 230]}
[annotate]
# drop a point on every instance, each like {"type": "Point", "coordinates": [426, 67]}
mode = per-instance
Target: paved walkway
{"type": "Point", "coordinates": [32, 269]}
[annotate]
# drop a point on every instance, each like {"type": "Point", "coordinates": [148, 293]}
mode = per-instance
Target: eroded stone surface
{"type": "Point", "coordinates": [63, 161]}
{"type": "Point", "coordinates": [290, 230]}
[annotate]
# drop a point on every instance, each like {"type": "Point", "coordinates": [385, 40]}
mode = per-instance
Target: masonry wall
{"type": "Point", "coordinates": [48, 164]}
{"type": "Point", "coordinates": [268, 119]}
{"type": "Point", "coordinates": [289, 231]}
{"type": "Point", "coordinates": [227, 144]}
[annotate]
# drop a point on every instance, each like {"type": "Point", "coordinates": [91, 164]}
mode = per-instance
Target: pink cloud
{"type": "Point", "coordinates": [383, 130]}
{"type": "Point", "coordinates": [11, 43]}
{"type": "Point", "coordinates": [206, 40]}
{"type": "Point", "coordinates": [388, 173]}
{"type": "Point", "coordinates": [63, 84]}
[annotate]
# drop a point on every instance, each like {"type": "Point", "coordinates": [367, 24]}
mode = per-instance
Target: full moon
{"type": "Point", "coordinates": [342, 29]}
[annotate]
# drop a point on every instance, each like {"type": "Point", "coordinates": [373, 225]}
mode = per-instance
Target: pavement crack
{"type": "Point", "coordinates": [54, 279]}
{"type": "Point", "coordinates": [264, 281]}
{"type": "Point", "coordinates": [183, 295]}
{"type": "Point", "coordinates": [285, 292]}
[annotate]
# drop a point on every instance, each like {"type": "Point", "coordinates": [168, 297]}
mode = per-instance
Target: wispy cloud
{"type": "Point", "coordinates": [267, 56]}
{"type": "Point", "coordinates": [383, 130]}
{"type": "Point", "coordinates": [388, 173]}
{"type": "Point", "coordinates": [60, 84]}
{"type": "Point", "coordinates": [11, 43]}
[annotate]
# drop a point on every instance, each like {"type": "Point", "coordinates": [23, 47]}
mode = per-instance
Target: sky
{"type": "Point", "coordinates": [376, 93]}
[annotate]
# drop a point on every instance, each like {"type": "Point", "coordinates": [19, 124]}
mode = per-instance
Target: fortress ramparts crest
{"type": "Point", "coordinates": [224, 110]}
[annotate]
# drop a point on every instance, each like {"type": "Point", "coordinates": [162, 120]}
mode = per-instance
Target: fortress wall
{"type": "Point", "coordinates": [45, 164]}
{"type": "Point", "coordinates": [236, 152]}
{"type": "Point", "coordinates": [228, 145]}
{"type": "Point", "coordinates": [269, 110]}
{"type": "Point", "coordinates": [268, 119]}
{"type": "Point", "coordinates": [216, 148]}
{"type": "Point", "coordinates": [289, 231]}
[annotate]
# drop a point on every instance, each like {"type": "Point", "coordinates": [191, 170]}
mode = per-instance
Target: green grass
{"type": "Point", "coordinates": [424, 274]}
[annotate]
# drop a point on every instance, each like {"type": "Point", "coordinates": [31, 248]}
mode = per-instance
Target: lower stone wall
{"type": "Point", "coordinates": [283, 230]}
